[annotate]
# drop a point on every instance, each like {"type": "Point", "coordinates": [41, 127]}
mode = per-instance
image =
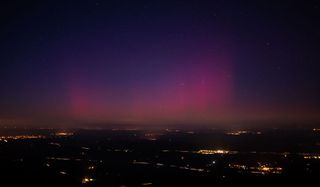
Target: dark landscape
{"type": "Point", "coordinates": [171, 157]}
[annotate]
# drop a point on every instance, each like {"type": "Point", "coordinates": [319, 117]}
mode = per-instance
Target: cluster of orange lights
{"type": "Point", "coordinates": [261, 169]}
{"type": "Point", "coordinates": [86, 180]}
{"type": "Point", "coordinates": [63, 133]}
{"type": "Point", "coordinates": [317, 157]}
{"type": "Point", "coordinates": [215, 151]}
{"type": "Point", "coordinates": [265, 169]}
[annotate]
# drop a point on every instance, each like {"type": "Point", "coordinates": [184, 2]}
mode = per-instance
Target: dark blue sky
{"type": "Point", "coordinates": [164, 61]}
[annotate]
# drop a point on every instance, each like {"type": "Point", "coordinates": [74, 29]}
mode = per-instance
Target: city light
{"type": "Point", "coordinates": [261, 169]}
{"type": "Point", "coordinates": [316, 157]}
{"type": "Point", "coordinates": [64, 134]}
{"type": "Point", "coordinates": [217, 151]}
{"type": "Point", "coordinates": [91, 167]}
{"type": "Point", "coordinates": [86, 180]}
{"type": "Point", "coordinates": [237, 133]}
{"type": "Point", "coordinates": [266, 169]}
{"type": "Point", "coordinates": [63, 172]}
{"type": "Point", "coordinates": [20, 137]}
{"type": "Point", "coordinates": [242, 132]}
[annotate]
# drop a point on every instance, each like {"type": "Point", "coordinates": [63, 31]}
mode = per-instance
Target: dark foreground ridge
{"type": "Point", "coordinates": [170, 157]}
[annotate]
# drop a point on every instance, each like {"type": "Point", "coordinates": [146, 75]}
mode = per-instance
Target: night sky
{"type": "Point", "coordinates": [160, 61]}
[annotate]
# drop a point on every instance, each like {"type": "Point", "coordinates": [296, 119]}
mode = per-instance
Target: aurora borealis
{"type": "Point", "coordinates": [160, 61]}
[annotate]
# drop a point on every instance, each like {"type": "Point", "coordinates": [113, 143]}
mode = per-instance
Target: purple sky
{"type": "Point", "coordinates": [164, 62]}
